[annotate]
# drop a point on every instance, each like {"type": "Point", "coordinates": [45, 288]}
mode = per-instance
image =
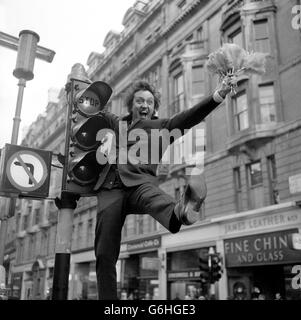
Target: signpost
{"type": "Point", "coordinates": [25, 172]}
{"type": "Point", "coordinates": [28, 50]}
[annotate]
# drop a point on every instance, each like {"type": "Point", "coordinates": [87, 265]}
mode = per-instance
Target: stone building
{"type": "Point", "coordinates": [252, 159]}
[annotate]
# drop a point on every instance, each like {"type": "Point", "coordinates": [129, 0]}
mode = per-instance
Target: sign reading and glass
{"type": "Point", "coordinates": [261, 249]}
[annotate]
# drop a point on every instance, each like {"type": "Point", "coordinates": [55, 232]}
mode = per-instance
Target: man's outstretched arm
{"type": "Point", "coordinates": [191, 117]}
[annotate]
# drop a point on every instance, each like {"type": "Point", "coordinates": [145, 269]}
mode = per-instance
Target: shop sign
{"type": "Point", "coordinates": [183, 275]}
{"type": "Point", "coordinates": [274, 220]}
{"type": "Point", "coordinates": [151, 243]}
{"type": "Point", "coordinates": [261, 249]}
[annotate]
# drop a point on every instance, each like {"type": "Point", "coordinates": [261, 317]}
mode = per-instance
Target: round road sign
{"type": "Point", "coordinates": [26, 170]}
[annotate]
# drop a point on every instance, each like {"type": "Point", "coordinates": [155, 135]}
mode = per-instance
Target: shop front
{"type": "Point", "coordinates": [16, 285]}
{"type": "Point", "coordinates": [82, 278]}
{"type": "Point", "coordinates": [183, 274]}
{"type": "Point", "coordinates": [262, 264]}
{"type": "Point", "coordinates": [140, 267]}
{"type": "Point", "coordinates": [85, 283]}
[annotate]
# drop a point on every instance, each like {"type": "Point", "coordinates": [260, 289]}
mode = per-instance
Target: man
{"type": "Point", "coordinates": [130, 188]}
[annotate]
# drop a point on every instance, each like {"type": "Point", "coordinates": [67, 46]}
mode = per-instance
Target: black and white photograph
{"type": "Point", "coordinates": [150, 150]}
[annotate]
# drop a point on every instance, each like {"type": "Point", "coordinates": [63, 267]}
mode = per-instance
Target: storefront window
{"type": "Point", "coordinates": [262, 265]}
{"type": "Point", "coordinates": [184, 275]}
{"type": "Point", "coordinates": [85, 285]}
{"type": "Point", "coordinates": [141, 276]}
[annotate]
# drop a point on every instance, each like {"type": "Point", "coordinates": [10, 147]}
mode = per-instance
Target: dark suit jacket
{"type": "Point", "coordinates": [133, 174]}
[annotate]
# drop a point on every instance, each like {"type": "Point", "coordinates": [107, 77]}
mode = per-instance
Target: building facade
{"type": "Point", "coordinates": [249, 147]}
{"type": "Point", "coordinates": [252, 159]}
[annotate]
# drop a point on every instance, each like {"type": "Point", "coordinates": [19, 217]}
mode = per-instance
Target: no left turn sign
{"type": "Point", "coordinates": [26, 170]}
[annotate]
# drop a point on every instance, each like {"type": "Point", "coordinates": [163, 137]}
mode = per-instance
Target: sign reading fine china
{"type": "Point", "coordinates": [261, 249]}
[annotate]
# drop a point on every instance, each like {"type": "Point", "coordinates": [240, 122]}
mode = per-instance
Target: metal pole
{"type": "Point", "coordinates": [17, 118]}
{"type": "Point", "coordinates": [10, 203]}
{"type": "Point", "coordinates": [3, 229]}
{"type": "Point", "coordinates": [27, 52]}
{"type": "Point", "coordinates": [66, 204]}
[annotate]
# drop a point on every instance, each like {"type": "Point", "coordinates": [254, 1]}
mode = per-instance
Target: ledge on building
{"type": "Point", "coordinates": [251, 139]}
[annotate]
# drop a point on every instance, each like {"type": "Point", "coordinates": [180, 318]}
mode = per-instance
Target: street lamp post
{"type": "Point", "coordinates": [28, 50]}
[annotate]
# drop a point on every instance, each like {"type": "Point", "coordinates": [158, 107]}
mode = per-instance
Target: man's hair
{"type": "Point", "coordinates": [144, 86]}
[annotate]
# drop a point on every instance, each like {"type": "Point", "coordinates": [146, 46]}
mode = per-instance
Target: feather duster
{"type": "Point", "coordinates": [254, 63]}
{"type": "Point", "coordinates": [231, 61]}
{"type": "Point", "coordinates": [235, 54]}
{"type": "Point", "coordinates": [219, 63]}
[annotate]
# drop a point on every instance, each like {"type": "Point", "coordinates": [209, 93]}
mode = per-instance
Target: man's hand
{"type": "Point", "coordinates": [228, 83]}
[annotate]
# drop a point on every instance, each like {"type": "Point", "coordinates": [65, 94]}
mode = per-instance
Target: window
{"type": "Point", "coordinates": [189, 38]}
{"type": "Point", "coordinates": [198, 86]}
{"type": "Point", "coordinates": [272, 174]}
{"type": "Point", "coordinates": [255, 174]}
{"type": "Point", "coordinates": [261, 33]}
{"type": "Point", "coordinates": [90, 232]}
{"type": "Point", "coordinates": [181, 3]}
{"type": "Point", "coordinates": [236, 37]}
{"type": "Point", "coordinates": [21, 250]}
{"type": "Point", "coordinates": [241, 119]}
{"type": "Point", "coordinates": [200, 138]}
{"type": "Point", "coordinates": [255, 185]}
{"type": "Point", "coordinates": [153, 76]}
{"type": "Point", "coordinates": [44, 245]}
{"type": "Point", "coordinates": [238, 189]}
{"type": "Point", "coordinates": [37, 216]}
{"type": "Point", "coordinates": [32, 246]}
{"type": "Point", "coordinates": [25, 222]}
{"type": "Point", "coordinates": [179, 92]}
{"type": "Point", "coordinates": [267, 103]}
{"type": "Point", "coordinates": [139, 221]}
{"type": "Point", "coordinates": [200, 34]}
{"type": "Point", "coordinates": [18, 219]}
{"type": "Point", "coordinates": [79, 234]}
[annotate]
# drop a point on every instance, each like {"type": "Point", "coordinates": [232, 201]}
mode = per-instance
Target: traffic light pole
{"type": "Point", "coordinates": [211, 280]}
{"type": "Point", "coordinates": [66, 205]}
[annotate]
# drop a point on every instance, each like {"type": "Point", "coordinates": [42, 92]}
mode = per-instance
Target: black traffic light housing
{"type": "Point", "coordinates": [86, 102]}
{"type": "Point", "coordinates": [215, 267]}
{"type": "Point", "coordinates": [210, 264]}
{"type": "Point", "coordinates": [204, 267]}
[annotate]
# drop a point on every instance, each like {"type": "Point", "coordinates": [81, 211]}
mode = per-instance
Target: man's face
{"type": "Point", "coordinates": [143, 105]}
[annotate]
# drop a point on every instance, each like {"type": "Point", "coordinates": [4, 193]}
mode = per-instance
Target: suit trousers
{"type": "Point", "coordinates": [113, 206]}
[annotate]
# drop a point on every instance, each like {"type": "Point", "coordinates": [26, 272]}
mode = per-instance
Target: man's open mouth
{"type": "Point", "coordinates": [143, 114]}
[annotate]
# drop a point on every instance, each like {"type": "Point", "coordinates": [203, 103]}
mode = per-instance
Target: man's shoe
{"type": "Point", "coordinates": [187, 210]}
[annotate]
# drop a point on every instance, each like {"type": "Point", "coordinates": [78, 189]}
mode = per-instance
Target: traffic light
{"type": "Point", "coordinates": [86, 101]}
{"type": "Point", "coordinates": [204, 267]}
{"type": "Point", "coordinates": [215, 267]}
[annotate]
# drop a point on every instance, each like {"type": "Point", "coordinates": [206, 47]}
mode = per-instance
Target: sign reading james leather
{"type": "Point", "coordinates": [261, 249]}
